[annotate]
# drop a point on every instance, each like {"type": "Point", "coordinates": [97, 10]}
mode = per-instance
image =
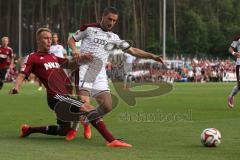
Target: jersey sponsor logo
{"type": "Point", "coordinates": [3, 56]}
{"type": "Point", "coordinates": [51, 65]}
{"type": "Point", "coordinates": [100, 41]}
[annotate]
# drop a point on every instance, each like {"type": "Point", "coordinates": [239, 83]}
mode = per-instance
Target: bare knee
{"type": "Point", "coordinates": [87, 107]}
{"type": "Point", "coordinates": [107, 107]}
{"type": "Point", "coordinates": [85, 99]}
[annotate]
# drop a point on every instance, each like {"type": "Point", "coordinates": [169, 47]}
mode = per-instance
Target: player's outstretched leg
{"type": "Point", "coordinates": [25, 131]}
{"type": "Point", "coordinates": [230, 99]}
{"type": "Point", "coordinates": [111, 141]}
{"type": "Point", "coordinates": [118, 143]}
{"type": "Point", "coordinates": [60, 130]}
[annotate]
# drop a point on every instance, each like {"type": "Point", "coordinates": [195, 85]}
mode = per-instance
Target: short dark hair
{"type": "Point", "coordinates": [40, 30]}
{"type": "Point", "coordinates": [53, 34]}
{"type": "Point", "coordinates": [110, 10]}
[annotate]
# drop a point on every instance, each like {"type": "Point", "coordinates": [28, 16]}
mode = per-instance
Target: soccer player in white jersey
{"type": "Point", "coordinates": [98, 38]}
{"type": "Point", "coordinates": [56, 48]}
{"type": "Point", "coordinates": [234, 49]}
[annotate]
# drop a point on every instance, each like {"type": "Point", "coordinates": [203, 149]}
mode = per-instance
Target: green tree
{"type": "Point", "coordinates": [216, 38]}
{"type": "Point", "coordinates": [193, 34]}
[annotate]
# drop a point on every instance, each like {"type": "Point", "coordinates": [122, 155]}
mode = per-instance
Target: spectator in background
{"type": "Point", "coordinates": [109, 69]}
{"type": "Point", "coordinates": [57, 49]}
{"type": "Point", "coordinates": [6, 59]}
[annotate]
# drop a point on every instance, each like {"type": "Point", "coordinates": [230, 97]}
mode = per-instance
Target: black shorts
{"type": "Point", "coordinates": [67, 108]}
{"type": "Point", "coordinates": [3, 72]}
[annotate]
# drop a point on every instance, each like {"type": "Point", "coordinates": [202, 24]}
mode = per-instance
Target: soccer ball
{"type": "Point", "coordinates": [211, 137]}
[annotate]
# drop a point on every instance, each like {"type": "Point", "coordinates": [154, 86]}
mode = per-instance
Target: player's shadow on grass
{"type": "Point", "coordinates": [61, 140]}
{"type": "Point", "coordinates": [199, 146]}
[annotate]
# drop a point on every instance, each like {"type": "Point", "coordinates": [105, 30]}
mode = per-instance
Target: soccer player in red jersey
{"type": "Point", "coordinates": [47, 67]}
{"type": "Point", "coordinates": [6, 59]}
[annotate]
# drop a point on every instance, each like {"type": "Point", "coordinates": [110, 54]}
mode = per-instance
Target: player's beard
{"type": "Point", "coordinates": [109, 27]}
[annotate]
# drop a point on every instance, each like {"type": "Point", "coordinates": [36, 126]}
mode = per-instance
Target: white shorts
{"type": "Point", "coordinates": [95, 88]}
{"type": "Point", "coordinates": [93, 79]}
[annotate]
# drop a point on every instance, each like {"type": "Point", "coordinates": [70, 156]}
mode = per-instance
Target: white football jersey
{"type": "Point", "coordinates": [58, 50]}
{"type": "Point", "coordinates": [94, 40]}
{"type": "Point", "coordinates": [236, 45]}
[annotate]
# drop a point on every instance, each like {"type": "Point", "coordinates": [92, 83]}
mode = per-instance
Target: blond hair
{"type": "Point", "coordinates": [4, 38]}
{"type": "Point", "coordinates": [40, 30]}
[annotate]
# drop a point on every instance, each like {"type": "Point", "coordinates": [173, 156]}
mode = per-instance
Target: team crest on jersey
{"type": "Point", "coordinates": [41, 58]}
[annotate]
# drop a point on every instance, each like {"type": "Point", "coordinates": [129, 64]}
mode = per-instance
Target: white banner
{"type": "Point", "coordinates": [229, 77]}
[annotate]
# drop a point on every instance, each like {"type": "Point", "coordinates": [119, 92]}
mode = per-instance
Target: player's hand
{"type": "Point", "coordinates": [75, 54]}
{"type": "Point", "coordinates": [237, 54]}
{"type": "Point", "coordinates": [158, 59]}
{"type": "Point", "coordinates": [85, 57]}
{"type": "Point", "coordinates": [13, 91]}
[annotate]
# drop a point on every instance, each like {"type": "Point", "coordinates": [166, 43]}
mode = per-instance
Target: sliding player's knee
{"type": "Point", "coordinates": [86, 107]}
{"type": "Point", "coordinates": [84, 97]}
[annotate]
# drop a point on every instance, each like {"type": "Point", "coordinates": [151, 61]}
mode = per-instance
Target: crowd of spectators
{"type": "Point", "coordinates": [184, 70]}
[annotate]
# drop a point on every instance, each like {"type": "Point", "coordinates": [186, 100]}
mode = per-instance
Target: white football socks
{"type": "Point", "coordinates": [234, 91]}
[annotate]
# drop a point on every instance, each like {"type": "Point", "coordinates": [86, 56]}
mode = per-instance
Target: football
{"type": "Point", "coordinates": [211, 137]}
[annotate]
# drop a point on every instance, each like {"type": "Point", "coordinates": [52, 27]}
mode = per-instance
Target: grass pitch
{"type": "Point", "coordinates": [165, 127]}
